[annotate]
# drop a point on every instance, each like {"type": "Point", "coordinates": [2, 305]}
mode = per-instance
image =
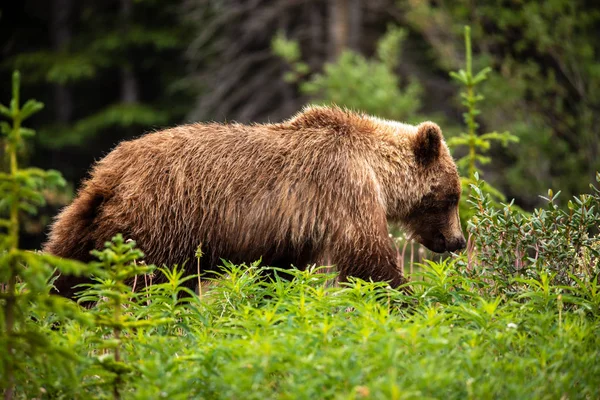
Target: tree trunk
{"type": "Point", "coordinates": [61, 37]}
{"type": "Point", "coordinates": [316, 34]}
{"type": "Point", "coordinates": [355, 24]}
{"type": "Point", "coordinates": [287, 94]}
{"type": "Point", "coordinates": [129, 83]}
{"type": "Point", "coordinates": [339, 20]}
{"type": "Point", "coordinates": [129, 86]}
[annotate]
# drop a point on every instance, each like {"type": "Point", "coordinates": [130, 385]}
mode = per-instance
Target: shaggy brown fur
{"type": "Point", "coordinates": [318, 188]}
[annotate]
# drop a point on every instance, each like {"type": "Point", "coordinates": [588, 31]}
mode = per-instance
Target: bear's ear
{"type": "Point", "coordinates": [428, 143]}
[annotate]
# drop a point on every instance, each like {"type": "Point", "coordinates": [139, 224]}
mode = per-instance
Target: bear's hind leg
{"type": "Point", "coordinates": [72, 236]}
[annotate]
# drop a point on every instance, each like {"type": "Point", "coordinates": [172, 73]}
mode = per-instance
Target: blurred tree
{"type": "Point", "coordinates": [60, 28]}
{"type": "Point", "coordinates": [345, 26]}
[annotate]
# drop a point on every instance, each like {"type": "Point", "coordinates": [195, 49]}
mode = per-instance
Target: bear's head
{"type": "Point", "coordinates": [432, 219]}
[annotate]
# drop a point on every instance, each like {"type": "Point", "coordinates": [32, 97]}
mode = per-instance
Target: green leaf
{"type": "Point", "coordinates": [388, 47]}
{"type": "Point", "coordinates": [482, 144]}
{"type": "Point", "coordinates": [290, 77]}
{"type": "Point", "coordinates": [16, 81]}
{"type": "Point", "coordinates": [287, 49]}
{"type": "Point", "coordinates": [458, 141]}
{"type": "Point", "coordinates": [483, 159]}
{"type": "Point", "coordinates": [28, 208]}
{"type": "Point", "coordinates": [463, 162]}
{"type": "Point", "coordinates": [302, 68]}
{"type": "Point", "coordinates": [504, 137]}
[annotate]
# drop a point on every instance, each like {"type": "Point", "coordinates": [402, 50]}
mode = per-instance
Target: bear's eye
{"type": "Point", "coordinates": [447, 203]}
{"type": "Point", "coordinates": [452, 200]}
{"type": "Point", "coordinates": [429, 201]}
{"type": "Point", "coordinates": [440, 204]}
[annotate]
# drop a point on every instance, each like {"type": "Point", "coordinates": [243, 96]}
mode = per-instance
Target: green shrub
{"type": "Point", "coordinates": [561, 243]}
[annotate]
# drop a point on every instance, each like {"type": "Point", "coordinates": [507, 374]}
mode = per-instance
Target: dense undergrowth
{"type": "Point", "coordinates": [247, 338]}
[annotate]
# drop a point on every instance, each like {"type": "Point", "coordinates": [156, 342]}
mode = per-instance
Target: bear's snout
{"type": "Point", "coordinates": [456, 244]}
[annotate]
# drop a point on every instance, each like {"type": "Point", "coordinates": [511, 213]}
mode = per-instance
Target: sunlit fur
{"type": "Point", "coordinates": [318, 188]}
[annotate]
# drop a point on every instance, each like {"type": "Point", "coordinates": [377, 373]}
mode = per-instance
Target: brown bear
{"type": "Point", "coordinates": [319, 188]}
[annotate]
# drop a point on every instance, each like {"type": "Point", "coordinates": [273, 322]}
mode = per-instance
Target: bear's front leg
{"type": "Point", "coordinates": [369, 258]}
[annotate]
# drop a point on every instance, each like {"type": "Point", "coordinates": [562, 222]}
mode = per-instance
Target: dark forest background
{"type": "Point", "coordinates": [113, 69]}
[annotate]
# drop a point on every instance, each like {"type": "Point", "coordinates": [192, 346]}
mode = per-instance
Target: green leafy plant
{"type": "Point", "coordinates": [440, 282]}
{"type": "Point", "coordinates": [303, 337]}
{"type": "Point", "coordinates": [561, 244]}
{"type": "Point", "coordinates": [251, 337]}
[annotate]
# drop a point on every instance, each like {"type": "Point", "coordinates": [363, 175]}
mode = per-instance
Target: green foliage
{"type": "Point", "coordinates": [107, 72]}
{"type": "Point", "coordinates": [476, 144]}
{"type": "Point", "coordinates": [352, 81]}
{"type": "Point", "coordinates": [113, 296]}
{"type": "Point", "coordinates": [290, 51]}
{"type": "Point", "coordinates": [54, 67]}
{"type": "Point", "coordinates": [554, 243]}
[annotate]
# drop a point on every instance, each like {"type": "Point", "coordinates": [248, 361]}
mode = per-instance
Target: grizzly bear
{"type": "Point", "coordinates": [319, 188]}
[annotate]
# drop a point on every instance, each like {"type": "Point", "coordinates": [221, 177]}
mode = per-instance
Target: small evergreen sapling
{"type": "Point", "coordinates": [477, 145]}
{"type": "Point", "coordinates": [24, 274]}
{"type": "Point", "coordinates": [113, 296]}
